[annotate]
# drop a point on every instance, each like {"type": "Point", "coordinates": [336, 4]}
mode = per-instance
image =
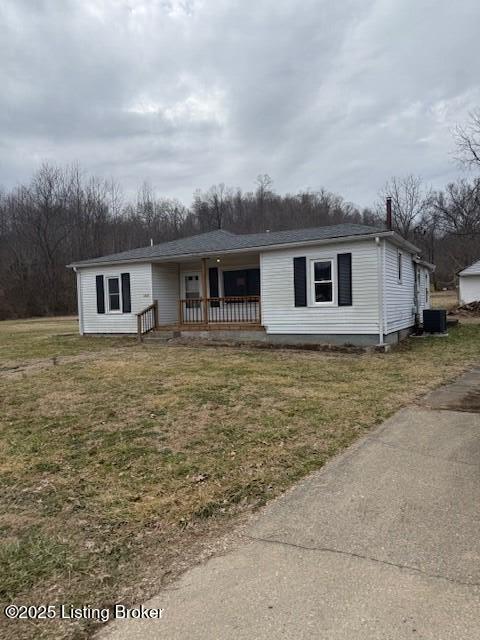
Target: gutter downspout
{"type": "Point", "coordinates": [79, 300]}
{"type": "Point", "coordinates": [380, 277]}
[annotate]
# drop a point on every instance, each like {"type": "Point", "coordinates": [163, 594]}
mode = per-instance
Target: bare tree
{"type": "Point", "coordinates": [63, 215]}
{"type": "Point", "coordinates": [459, 208]}
{"type": "Point", "coordinates": [410, 201]}
{"type": "Point", "coordinates": [218, 197]}
{"type": "Point", "coordinates": [467, 140]}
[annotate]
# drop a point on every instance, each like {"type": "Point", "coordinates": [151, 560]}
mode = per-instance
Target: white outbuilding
{"type": "Point", "coordinates": [469, 283]}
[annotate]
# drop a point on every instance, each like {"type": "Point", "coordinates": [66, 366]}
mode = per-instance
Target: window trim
{"type": "Point", "coordinates": [399, 267]}
{"type": "Point", "coordinates": [107, 294]}
{"type": "Point", "coordinates": [333, 281]}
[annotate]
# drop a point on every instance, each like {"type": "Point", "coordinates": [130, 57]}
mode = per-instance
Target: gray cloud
{"type": "Point", "coordinates": [186, 93]}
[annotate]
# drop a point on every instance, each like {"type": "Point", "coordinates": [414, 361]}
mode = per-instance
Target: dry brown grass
{"type": "Point", "coordinates": [116, 470]}
{"type": "Point", "coordinates": [33, 343]}
{"type": "Point", "coordinates": [444, 299]}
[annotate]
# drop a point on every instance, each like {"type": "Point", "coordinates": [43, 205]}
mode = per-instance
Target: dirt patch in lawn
{"type": "Point", "coordinates": [121, 469]}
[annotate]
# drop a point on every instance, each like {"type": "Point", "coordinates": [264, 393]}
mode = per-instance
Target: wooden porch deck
{"type": "Point", "coordinates": [231, 313]}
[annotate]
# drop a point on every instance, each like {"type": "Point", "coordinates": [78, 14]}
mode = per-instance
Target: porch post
{"type": "Point", "coordinates": [204, 289]}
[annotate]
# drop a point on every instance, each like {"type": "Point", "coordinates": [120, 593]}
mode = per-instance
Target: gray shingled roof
{"type": "Point", "coordinates": [224, 241]}
{"type": "Point", "coordinates": [472, 270]}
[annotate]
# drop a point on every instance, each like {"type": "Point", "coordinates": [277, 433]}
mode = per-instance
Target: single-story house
{"type": "Point", "coordinates": [469, 283]}
{"type": "Point", "coordinates": [347, 283]}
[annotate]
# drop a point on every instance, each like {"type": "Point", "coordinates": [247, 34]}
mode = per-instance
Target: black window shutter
{"type": "Point", "coordinates": [126, 297]}
{"type": "Point", "coordinates": [100, 294]}
{"type": "Point", "coordinates": [213, 285]}
{"type": "Point", "coordinates": [253, 282]}
{"type": "Point", "coordinates": [300, 281]}
{"type": "Point", "coordinates": [213, 282]}
{"type": "Point", "coordinates": [344, 270]}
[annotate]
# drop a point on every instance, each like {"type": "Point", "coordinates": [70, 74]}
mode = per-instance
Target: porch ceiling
{"type": "Point", "coordinates": [220, 259]}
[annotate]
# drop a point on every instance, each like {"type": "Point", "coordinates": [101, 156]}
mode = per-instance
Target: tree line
{"type": "Point", "coordinates": [63, 215]}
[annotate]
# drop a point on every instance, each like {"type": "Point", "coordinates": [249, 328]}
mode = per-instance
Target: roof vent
{"type": "Point", "coordinates": [389, 213]}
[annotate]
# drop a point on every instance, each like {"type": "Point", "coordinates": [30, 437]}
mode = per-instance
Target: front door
{"type": "Point", "coordinates": [191, 293]}
{"type": "Point", "coordinates": [191, 285]}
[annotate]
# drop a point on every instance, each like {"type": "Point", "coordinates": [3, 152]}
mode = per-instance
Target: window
{"type": "Point", "coordinates": [399, 258]}
{"type": "Point", "coordinates": [113, 293]}
{"type": "Point", "coordinates": [322, 281]}
{"type": "Point", "coordinates": [241, 282]}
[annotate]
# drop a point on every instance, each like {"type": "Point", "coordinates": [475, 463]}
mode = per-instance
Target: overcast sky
{"type": "Point", "coordinates": [186, 93]}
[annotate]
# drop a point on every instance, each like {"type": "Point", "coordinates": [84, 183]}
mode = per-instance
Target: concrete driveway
{"type": "Point", "coordinates": [382, 543]}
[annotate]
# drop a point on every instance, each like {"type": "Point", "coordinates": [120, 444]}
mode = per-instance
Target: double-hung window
{"type": "Point", "coordinates": [322, 281]}
{"type": "Point", "coordinates": [114, 294]}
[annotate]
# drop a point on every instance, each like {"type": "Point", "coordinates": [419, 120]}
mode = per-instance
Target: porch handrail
{"type": "Point", "coordinates": [236, 298]}
{"type": "Point", "coordinates": [220, 309]}
{"type": "Point", "coordinates": [147, 320]}
{"type": "Point", "coordinates": [194, 307]}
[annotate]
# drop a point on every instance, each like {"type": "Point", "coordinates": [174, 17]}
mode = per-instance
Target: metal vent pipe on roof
{"type": "Point", "coordinates": [389, 213]}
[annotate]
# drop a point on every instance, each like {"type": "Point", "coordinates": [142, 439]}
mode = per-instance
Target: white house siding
{"type": "Point", "coordinates": [469, 289]}
{"type": "Point", "coordinates": [424, 289]}
{"type": "Point", "coordinates": [141, 295]}
{"type": "Point", "coordinates": [399, 296]}
{"type": "Point", "coordinates": [166, 289]}
{"type": "Point", "coordinates": [279, 314]}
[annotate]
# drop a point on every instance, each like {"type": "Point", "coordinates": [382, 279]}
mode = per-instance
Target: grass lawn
{"type": "Point", "coordinates": [26, 341]}
{"type": "Point", "coordinates": [444, 299]}
{"type": "Point", "coordinates": [118, 466]}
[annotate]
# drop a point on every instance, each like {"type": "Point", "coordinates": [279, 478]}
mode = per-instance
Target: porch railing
{"type": "Point", "coordinates": [230, 309]}
{"type": "Point", "coordinates": [147, 320]}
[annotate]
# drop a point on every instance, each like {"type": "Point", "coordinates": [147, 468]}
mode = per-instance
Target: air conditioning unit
{"type": "Point", "coordinates": [435, 321]}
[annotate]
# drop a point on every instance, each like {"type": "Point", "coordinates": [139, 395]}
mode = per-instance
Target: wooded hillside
{"type": "Point", "coordinates": [64, 215]}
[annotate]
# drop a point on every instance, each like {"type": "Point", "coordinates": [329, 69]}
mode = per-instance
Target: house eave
{"type": "Point", "coordinates": [394, 237]}
{"type": "Point", "coordinates": [424, 263]}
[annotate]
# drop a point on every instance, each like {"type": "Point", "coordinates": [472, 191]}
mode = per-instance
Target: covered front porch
{"type": "Point", "coordinates": [236, 310]}
{"type": "Point", "coordinates": [209, 293]}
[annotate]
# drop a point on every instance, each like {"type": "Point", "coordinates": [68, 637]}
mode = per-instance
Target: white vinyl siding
{"type": "Point", "coordinates": [165, 284]}
{"type": "Point", "coordinates": [424, 289]}
{"type": "Point", "coordinates": [118, 322]}
{"type": "Point", "coordinates": [279, 314]}
{"type": "Point", "coordinates": [399, 296]}
{"type": "Point", "coordinates": [469, 288]}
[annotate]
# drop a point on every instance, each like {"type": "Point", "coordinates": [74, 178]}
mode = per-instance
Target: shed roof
{"type": "Point", "coordinates": [472, 270]}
